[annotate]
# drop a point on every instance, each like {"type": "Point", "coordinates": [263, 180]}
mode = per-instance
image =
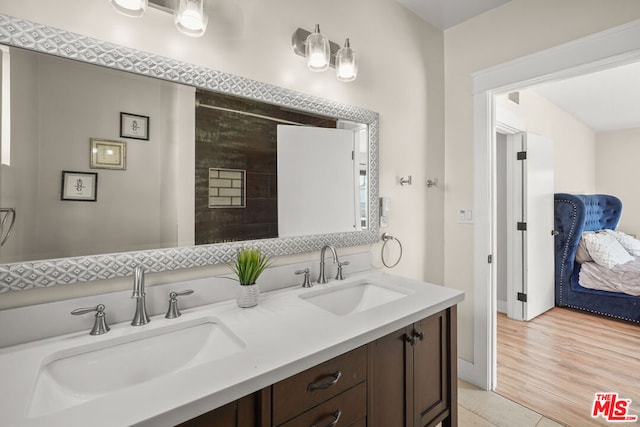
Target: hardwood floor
{"type": "Point", "coordinates": [556, 363]}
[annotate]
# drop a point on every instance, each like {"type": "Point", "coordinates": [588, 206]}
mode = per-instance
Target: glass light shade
{"type": "Point", "coordinates": [133, 8]}
{"type": "Point", "coordinates": [317, 51]}
{"type": "Point", "coordinates": [346, 63]}
{"type": "Point", "coordinates": [191, 19]}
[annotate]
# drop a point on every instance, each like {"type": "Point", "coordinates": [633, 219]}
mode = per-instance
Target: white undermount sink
{"type": "Point", "coordinates": [354, 297]}
{"type": "Point", "coordinates": [78, 375]}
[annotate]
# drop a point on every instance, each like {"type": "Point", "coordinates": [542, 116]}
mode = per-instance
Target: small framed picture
{"type": "Point", "coordinates": [79, 186]}
{"type": "Point", "coordinates": [134, 126]}
{"type": "Point", "coordinates": [107, 154]}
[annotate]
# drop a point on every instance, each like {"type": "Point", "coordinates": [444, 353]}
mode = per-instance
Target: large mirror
{"type": "Point", "coordinates": [101, 162]}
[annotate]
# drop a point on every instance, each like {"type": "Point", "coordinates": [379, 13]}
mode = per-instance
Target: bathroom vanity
{"type": "Point", "coordinates": [373, 349]}
{"type": "Point", "coordinates": [406, 378]}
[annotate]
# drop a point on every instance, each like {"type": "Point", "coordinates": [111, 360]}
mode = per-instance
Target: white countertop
{"type": "Point", "coordinates": [281, 336]}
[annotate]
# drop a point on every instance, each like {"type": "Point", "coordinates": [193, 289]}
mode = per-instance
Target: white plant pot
{"type": "Point", "coordinates": [248, 295]}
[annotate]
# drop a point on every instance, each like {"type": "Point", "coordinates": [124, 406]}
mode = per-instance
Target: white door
{"type": "Point", "coordinates": [530, 225]}
{"type": "Point", "coordinates": [316, 181]}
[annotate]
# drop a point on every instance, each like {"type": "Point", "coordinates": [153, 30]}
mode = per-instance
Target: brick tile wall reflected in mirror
{"type": "Point", "coordinates": [227, 139]}
{"type": "Point", "coordinates": [226, 188]}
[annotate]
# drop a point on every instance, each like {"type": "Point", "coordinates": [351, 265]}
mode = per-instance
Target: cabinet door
{"type": "Point", "coordinates": [250, 411]}
{"type": "Point", "coordinates": [225, 416]}
{"type": "Point", "coordinates": [431, 369]}
{"type": "Point", "coordinates": [390, 387]}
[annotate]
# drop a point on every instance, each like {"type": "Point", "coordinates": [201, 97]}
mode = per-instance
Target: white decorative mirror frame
{"type": "Point", "coordinates": [45, 273]}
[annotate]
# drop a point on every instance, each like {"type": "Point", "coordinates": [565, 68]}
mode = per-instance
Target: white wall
{"type": "Point", "coordinates": [617, 154]}
{"type": "Point", "coordinates": [573, 141]}
{"type": "Point", "coordinates": [516, 29]}
{"type": "Point", "coordinates": [401, 76]}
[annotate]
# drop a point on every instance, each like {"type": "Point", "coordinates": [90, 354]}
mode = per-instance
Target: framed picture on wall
{"type": "Point", "coordinates": [79, 186]}
{"type": "Point", "coordinates": [107, 154]}
{"type": "Point", "coordinates": [134, 126]}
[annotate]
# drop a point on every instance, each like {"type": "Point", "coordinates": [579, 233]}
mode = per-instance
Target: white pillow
{"type": "Point", "coordinates": [631, 244]}
{"type": "Point", "coordinates": [582, 254]}
{"type": "Point", "coordinates": [606, 250]}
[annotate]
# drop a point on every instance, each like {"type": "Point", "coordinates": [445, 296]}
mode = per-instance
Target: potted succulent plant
{"type": "Point", "coordinates": [248, 265]}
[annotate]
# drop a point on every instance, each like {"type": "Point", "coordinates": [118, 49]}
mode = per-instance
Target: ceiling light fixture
{"type": "Point", "coordinates": [321, 53]}
{"type": "Point", "coordinates": [190, 17]}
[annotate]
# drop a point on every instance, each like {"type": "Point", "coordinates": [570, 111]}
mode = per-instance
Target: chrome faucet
{"type": "Point", "coordinates": [322, 278]}
{"type": "Point", "coordinates": [141, 317]}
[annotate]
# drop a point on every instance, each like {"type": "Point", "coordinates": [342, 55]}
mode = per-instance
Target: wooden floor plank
{"type": "Point", "coordinates": [555, 363]}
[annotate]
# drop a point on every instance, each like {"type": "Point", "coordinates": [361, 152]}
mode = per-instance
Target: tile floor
{"type": "Point", "coordinates": [480, 408]}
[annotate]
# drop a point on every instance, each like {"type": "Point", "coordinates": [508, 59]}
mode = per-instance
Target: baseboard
{"type": "Point", "coordinates": [467, 372]}
{"type": "Point", "coordinates": [502, 307]}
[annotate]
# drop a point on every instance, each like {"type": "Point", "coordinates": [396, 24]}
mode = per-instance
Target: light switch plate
{"type": "Point", "coordinates": [465, 216]}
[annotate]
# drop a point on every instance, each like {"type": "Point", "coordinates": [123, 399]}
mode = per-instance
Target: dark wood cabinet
{"type": "Point", "coordinates": [390, 390]}
{"type": "Point", "coordinates": [405, 379]}
{"type": "Point", "coordinates": [413, 374]}
{"type": "Point", "coordinates": [245, 412]}
{"type": "Point", "coordinates": [332, 390]}
{"type": "Point", "coordinates": [345, 409]}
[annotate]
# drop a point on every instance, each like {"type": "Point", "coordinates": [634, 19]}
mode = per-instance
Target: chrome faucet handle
{"type": "Point", "coordinates": [100, 325]}
{"type": "Point", "coordinates": [306, 283]}
{"type": "Point", "coordinates": [174, 312]}
{"type": "Point", "coordinates": [339, 275]}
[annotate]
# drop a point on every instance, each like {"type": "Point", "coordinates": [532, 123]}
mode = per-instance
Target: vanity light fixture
{"type": "Point", "coordinates": [317, 51]}
{"type": "Point", "coordinates": [346, 63]}
{"type": "Point", "coordinates": [321, 53]}
{"type": "Point", "coordinates": [190, 17]}
{"type": "Point", "coordinates": [132, 8]}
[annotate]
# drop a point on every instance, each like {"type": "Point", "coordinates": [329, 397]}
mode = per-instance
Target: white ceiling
{"type": "Point", "coordinates": [447, 13]}
{"type": "Point", "coordinates": [606, 100]}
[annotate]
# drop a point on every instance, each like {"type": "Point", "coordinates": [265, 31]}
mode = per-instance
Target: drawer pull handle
{"type": "Point", "coordinates": [316, 386]}
{"type": "Point", "coordinates": [336, 416]}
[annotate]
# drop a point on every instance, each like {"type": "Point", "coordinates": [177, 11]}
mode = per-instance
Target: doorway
{"type": "Point", "coordinates": [610, 48]}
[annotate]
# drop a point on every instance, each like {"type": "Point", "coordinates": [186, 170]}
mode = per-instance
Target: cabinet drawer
{"type": "Point", "coordinates": [296, 394]}
{"type": "Point", "coordinates": [350, 405]}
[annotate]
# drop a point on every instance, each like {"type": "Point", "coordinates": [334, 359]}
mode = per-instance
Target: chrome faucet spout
{"type": "Point", "coordinates": [322, 278]}
{"type": "Point", "coordinates": [140, 317]}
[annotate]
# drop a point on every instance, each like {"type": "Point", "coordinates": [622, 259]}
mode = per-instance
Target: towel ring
{"type": "Point", "coordinates": [6, 212]}
{"type": "Point", "coordinates": [386, 238]}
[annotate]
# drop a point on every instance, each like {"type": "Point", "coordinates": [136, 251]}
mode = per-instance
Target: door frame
{"type": "Point", "coordinates": [607, 49]}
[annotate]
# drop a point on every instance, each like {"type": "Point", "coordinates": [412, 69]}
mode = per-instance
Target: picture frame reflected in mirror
{"type": "Point", "coordinates": [134, 126]}
{"type": "Point", "coordinates": [106, 154]}
{"type": "Point", "coordinates": [79, 186]}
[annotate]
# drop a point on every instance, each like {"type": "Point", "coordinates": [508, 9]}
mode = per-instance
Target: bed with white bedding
{"type": "Point", "coordinates": [623, 278]}
{"type": "Point", "coordinates": [608, 283]}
